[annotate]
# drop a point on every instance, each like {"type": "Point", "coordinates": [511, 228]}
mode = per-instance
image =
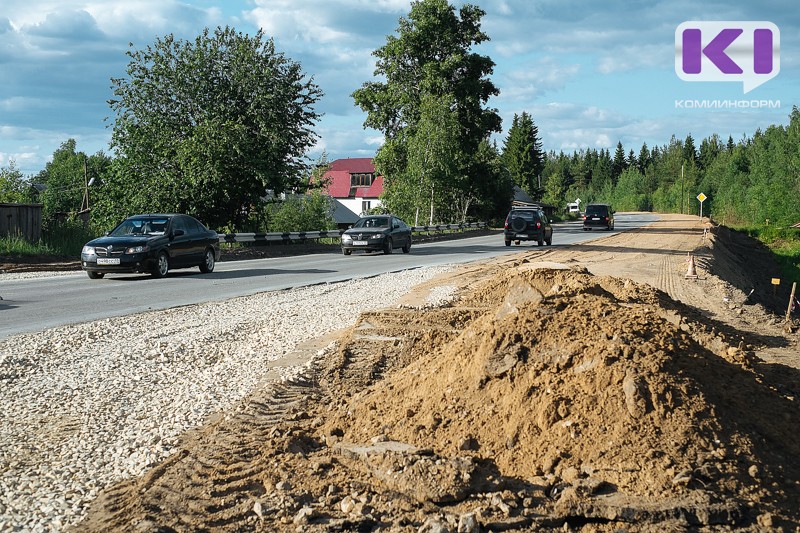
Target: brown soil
{"type": "Point", "coordinates": [595, 388]}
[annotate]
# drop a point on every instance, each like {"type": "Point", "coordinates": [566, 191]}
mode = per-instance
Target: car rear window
{"type": "Point", "coordinates": [527, 215]}
{"type": "Point", "coordinates": [596, 209]}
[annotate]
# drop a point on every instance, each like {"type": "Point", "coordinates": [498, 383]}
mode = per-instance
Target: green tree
{"type": "Point", "coordinates": [207, 127]}
{"type": "Point", "coordinates": [620, 163]}
{"type": "Point", "coordinates": [558, 180]}
{"type": "Point", "coordinates": [308, 212]}
{"type": "Point", "coordinates": [425, 66]}
{"type": "Point", "coordinates": [631, 191]}
{"type": "Point", "coordinates": [644, 158]}
{"type": "Point", "coordinates": [433, 153]}
{"type": "Point", "coordinates": [602, 171]}
{"type": "Point", "coordinates": [14, 188]}
{"type": "Point", "coordinates": [66, 178]}
{"type": "Point", "coordinates": [522, 155]}
{"type": "Point", "coordinates": [689, 150]}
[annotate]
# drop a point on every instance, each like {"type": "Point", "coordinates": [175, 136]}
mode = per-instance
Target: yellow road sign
{"type": "Point", "coordinates": [701, 197]}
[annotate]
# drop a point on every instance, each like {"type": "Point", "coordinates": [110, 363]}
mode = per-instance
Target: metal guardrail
{"type": "Point", "coordinates": [303, 235]}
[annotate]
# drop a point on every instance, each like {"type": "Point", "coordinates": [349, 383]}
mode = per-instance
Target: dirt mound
{"type": "Point", "coordinates": [573, 378]}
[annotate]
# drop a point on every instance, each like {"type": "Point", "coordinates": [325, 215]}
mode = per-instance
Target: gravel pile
{"type": "Point", "coordinates": [85, 405]}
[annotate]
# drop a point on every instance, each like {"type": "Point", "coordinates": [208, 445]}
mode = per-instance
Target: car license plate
{"type": "Point", "coordinates": [108, 260]}
{"type": "Point", "coordinates": [359, 243]}
{"type": "Point", "coordinates": [595, 218]}
{"type": "Point", "coordinates": [522, 235]}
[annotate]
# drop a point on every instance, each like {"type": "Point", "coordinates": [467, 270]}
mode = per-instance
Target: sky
{"type": "Point", "coordinates": [591, 74]}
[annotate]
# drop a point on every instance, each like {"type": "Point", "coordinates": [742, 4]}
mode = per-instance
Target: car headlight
{"type": "Point", "coordinates": [376, 237]}
{"type": "Point", "coordinates": [346, 238]}
{"type": "Point", "coordinates": [137, 249]}
{"type": "Point", "coordinates": [88, 250]}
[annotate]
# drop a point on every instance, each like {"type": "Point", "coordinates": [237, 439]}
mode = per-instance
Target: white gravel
{"type": "Point", "coordinates": [85, 405]}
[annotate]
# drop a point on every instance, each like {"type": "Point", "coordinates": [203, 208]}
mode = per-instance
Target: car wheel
{"type": "Point", "coordinates": [508, 243]}
{"type": "Point", "coordinates": [95, 275]}
{"type": "Point", "coordinates": [162, 265]}
{"type": "Point", "coordinates": [407, 247]}
{"type": "Point", "coordinates": [207, 266]}
{"type": "Point", "coordinates": [388, 246]}
{"type": "Point", "coordinates": [345, 251]}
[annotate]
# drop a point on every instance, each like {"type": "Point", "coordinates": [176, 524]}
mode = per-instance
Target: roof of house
{"type": "Point", "coordinates": [339, 173]}
{"type": "Point", "coordinates": [355, 165]}
{"type": "Point", "coordinates": [521, 196]}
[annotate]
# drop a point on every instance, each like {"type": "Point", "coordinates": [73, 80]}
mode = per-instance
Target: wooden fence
{"type": "Point", "coordinates": [21, 219]}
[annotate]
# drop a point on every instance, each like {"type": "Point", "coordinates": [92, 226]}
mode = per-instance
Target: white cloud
{"type": "Point", "coordinates": [537, 77]}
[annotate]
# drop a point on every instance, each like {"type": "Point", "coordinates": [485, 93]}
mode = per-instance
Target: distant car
{"type": "Point", "coordinates": [154, 244]}
{"type": "Point", "coordinates": [527, 224]}
{"type": "Point", "coordinates": [381, 233]}
{"type": "Point", "coordinates": [598, 216]}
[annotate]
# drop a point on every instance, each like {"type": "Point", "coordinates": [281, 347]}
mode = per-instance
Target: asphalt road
{"type": "Point", "coordinates": [40, 303]}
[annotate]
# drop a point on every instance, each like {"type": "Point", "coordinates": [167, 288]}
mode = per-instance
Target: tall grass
{"type": "Point", "coordinates": [16, 245]}
{"type": "Point", "coordinates": [64, 239]}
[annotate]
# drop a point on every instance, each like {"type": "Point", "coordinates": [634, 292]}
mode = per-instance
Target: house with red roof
{"type": "Point", "coordinates": [354, 185]}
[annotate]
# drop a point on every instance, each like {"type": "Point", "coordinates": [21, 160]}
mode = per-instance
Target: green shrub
{"type": "Point", "coordinates": [312, 212]}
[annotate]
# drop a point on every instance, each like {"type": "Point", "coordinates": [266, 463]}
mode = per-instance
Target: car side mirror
{"type": "Point", "coordinates": [178, 233]}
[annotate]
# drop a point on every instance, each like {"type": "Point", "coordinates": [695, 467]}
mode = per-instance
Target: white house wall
{"type": "Point", "coordinates": [354, 204]}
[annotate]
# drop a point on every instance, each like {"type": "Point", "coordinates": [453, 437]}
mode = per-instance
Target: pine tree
{"type": "Point", "coordinates": [522, 155]}
{"type": "Point", "coordinates": [644, 158]}
{"type": "Point", "coordinates": [619, 161]}
{"type": "Point", "coordinates": [689, 150]}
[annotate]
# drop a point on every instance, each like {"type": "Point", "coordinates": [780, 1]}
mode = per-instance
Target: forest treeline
{"type": "Point", "coordinates": [752, 182]}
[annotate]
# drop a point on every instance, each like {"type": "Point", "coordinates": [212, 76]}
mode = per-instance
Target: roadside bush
{"type": "Point", "coordinates": [311, 212]}
{"type": "Point", "coordinates": [66, 238]}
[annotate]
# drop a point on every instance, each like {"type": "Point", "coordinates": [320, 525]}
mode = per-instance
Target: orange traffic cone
{"type": "Point", "coordinates": [691, 273]}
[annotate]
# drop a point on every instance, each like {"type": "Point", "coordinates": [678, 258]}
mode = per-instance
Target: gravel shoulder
{"type": "Point", "coordinates": [87, 405]}
{"type": "Point", "coordinates": [430, 399]}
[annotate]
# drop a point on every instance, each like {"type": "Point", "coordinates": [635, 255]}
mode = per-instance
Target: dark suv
{"type": "Point", "coordinates": [527, 224]}
{"type": "Point", "coordinates": [598, 216]}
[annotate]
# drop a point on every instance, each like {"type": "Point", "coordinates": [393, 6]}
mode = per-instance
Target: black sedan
{"type": "Point", "coordinates": [153, 244]}
{"type": "Point", "coordinates": [382, 233]}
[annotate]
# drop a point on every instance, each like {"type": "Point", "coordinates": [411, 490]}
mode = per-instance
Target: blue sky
{"type": "Point", "coordinates": [590, 73]}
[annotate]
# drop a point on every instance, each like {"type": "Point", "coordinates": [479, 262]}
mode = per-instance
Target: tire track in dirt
{"type": "Point", "coordinates": [665, 279]}
{"type": "Point", "coordinates": [212, 479]}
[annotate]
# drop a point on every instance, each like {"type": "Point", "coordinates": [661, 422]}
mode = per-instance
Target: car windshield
{"type": "Point", "coordinates": [141, 226]}
{"type": "Point", "coordinates": [372, 222]}
{"type": "Point", "coordinates": [595, 210]}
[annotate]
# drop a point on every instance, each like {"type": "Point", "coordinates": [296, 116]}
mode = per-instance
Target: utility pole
{"type": "Point", "coordinates": [682, 188]}
{"type": "Point", "coordinates": [85, 201]}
